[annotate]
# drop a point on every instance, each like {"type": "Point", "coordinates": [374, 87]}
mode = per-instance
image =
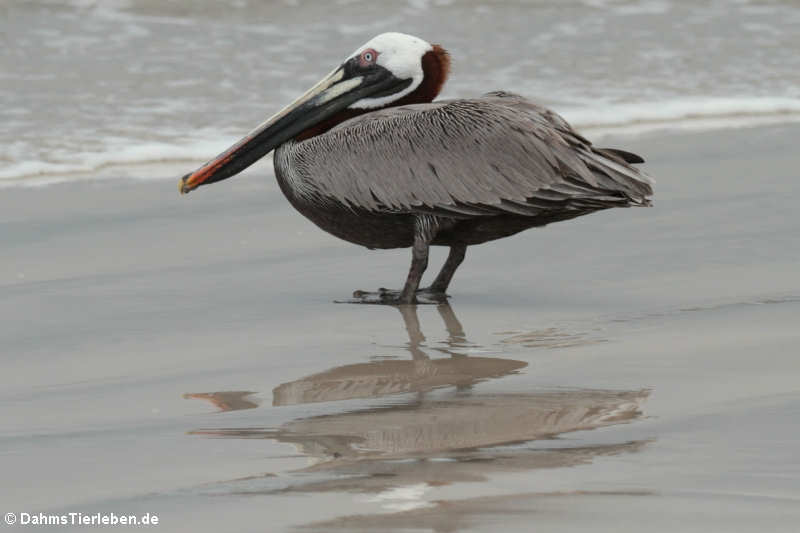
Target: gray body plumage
{"type": "Point", "coordinates": [461, 171]}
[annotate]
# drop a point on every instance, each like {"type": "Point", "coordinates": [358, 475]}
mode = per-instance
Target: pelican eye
{"type": "Point", "coordinates": [368, 57]}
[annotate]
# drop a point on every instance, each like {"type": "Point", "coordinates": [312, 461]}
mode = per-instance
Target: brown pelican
{"type": "Point", "coordinates": [368, 156]}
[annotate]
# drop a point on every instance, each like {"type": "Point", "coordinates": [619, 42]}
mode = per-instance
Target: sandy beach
{"type": "Point", "coordinates": [629, 370]}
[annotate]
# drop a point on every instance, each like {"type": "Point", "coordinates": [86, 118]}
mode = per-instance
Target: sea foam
{"type": "Point", "coordinates": [694, 113]}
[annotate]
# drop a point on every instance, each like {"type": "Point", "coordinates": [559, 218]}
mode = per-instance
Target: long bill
{"type": "Point", "coordinates": [333, 94]}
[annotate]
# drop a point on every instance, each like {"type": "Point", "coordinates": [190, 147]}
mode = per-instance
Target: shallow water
{"type": "Point", "coordinates": [90, 88]}
{"type": "Point", "coordinates": [633, 368]}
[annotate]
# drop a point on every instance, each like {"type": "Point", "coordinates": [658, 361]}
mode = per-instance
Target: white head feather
{"type": "Point", "coordinates": [400, 54]}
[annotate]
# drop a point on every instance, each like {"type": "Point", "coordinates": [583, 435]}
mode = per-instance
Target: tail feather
{"type": "Point", "coordinates": [628, 157]}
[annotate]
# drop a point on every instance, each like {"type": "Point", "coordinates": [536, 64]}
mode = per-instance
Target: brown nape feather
{"type": "Point", "coordinates": [435, 68]}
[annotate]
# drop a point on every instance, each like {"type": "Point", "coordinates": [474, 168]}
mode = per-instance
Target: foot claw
{"type": "Point", "coordinates": [386, 296]}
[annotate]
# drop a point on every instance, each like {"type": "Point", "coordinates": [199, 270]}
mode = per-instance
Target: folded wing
{"type": "Point", "coordinates": [491, 155]}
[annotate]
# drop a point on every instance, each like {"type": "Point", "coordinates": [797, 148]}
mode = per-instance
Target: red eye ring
{"type": "Point", "coordinates": [368, 57]}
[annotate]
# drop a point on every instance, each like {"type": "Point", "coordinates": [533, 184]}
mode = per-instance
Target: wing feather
{"type": "Point", "coordinates": [496, 154]}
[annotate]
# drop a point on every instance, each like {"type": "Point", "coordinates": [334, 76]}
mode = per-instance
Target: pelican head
{"type": "Point", "coordinates": [390, 69]}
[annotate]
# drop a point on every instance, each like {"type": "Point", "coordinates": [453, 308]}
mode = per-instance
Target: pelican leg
{"type": "Point", "coordinates": [425, 229]}
{"type": "Point", "coordinates": [454, 259]}
{"type": "Point", "coordinates": [419, 262]}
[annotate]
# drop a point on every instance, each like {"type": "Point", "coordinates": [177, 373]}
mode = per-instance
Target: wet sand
{"type": "Point", "coordinates": [633, 369]}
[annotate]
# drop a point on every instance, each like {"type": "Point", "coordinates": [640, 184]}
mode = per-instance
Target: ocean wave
{"type": "Point", "coordinates": [113, 157]}
{"type": "Point", "coordinates": [684, 113]}
{"type": "Point", "coordinates": [630, 118]}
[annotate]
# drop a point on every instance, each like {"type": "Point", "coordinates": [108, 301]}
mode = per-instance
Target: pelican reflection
{"type": "Point", "coordinates": [373, 379]}
{"type": "Point", "coordinates": [419, 374]}
{"type": "Point", "coordinates": [434, 437]}
{"type": "Point", "coordinates": [226, 400]}
{"type": "Point", "coordinates": [433, 426]}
